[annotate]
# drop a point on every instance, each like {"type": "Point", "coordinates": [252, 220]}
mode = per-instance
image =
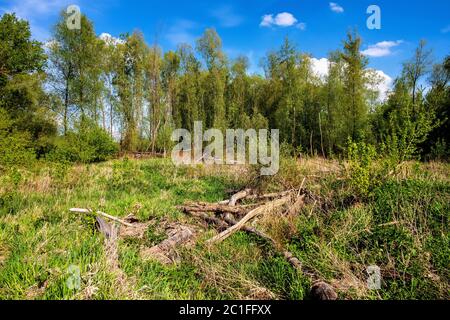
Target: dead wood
{"type": "Point", "coordinates": [252, 214]}
{"type": "Point", "coordinates": [221, 225]}
{"type": "Point", "coordinates": [239, 196]}
{"type": "Point", "coordinates": [297, 205]}
{"type": "Point", "coordinates": [105, 215]}
{"type": "Point", "coordinates": [206, 207]}
{"type": "Point", "coordinates": [269, 196]}
{"type": "Point", "coordinates": [105, 228]}
{"type": "Point", "coordinates": [164, 252]}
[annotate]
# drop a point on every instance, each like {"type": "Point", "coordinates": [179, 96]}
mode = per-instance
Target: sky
{"type": "Point", "coordinates": [255, 27]}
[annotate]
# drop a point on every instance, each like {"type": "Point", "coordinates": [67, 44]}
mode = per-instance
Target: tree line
{"type": "Point", "coordinates": [80, 97]}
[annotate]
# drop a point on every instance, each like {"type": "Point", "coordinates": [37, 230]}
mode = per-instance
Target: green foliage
{"type": "Point", "coordinates": [18, 54]}
{"type": "Point", "coordinates": [404, 126]}
{"type": "Point", "coordinates": [440, 150]}
{"type": "Point", "coordinates": [16, 147]}
{"type": "Point", "coordinates": [361, 159]}
{"type": "Point", "coordinates": [88, 144]}
{"type": "Point", "coordinates": [22, 98]}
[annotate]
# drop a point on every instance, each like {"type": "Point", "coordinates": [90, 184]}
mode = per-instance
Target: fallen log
{"type": "Point", "coordinates": [105, 215]}
{"type": "Point", "coordinates": [252, 214]}
{"type": "Point", "coordinates": [206, 207]}
{"type": "Point", "coordinates": [239, 196]}
{"type": "Point", "coordinates": [222, 225]}
{"type": "Point", "coordinates": [250, 195]}
{"type": "Point", "coordinates": [163, 251]}
{"type": "Point", "coordinates": [270, 196]}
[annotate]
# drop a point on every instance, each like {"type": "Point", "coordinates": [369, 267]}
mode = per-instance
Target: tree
{"type": "Point", "coordinates": [22, 61]}
{"type": "Point", "coordinates": [238, 93]}
{"type": "Point", "coordinates": [18, 53]}
{"type": "Point", "coordinates": [354, 88]}
{"type": "Point", "coordinates": [417, 67]}
{"type": "Point", "coordinates": [129, 83]}
{"type": "Point", "coordinates": [210, 47]}
{"type": "Point", "coordinates": [189, 89]}
{"type": "Point", "coordinates": [108, 76]}
{"type": "Point", "coordinates": [75, 67]}
{"type": "Point", "coordinates": [171, 66]}
{"type": "Point", "coordinates": [154, 93]}
{"type": "Point", "coordinates": [438, 100]}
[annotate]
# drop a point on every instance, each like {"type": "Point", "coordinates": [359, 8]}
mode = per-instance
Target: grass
{"type": "Point", "coordinates": [400, 226]}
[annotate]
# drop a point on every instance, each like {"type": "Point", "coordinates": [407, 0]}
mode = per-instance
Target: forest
{"type": "Point", "coordinates": [371, 168]}
{"type": "Point", "coordinates": [131, 96]}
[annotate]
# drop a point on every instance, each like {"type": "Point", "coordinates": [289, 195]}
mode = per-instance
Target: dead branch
{"type": "Point", "coordinates": [252, 214]}
{"type": "Point", "coordinates": [78, 210]}
{"type": "Point", "coordinates": [206, 207]}
{"type": "Point", "coordinates": [162, 252]}
{"type": "Point", "coordinates": [269, 196]}
{"type": "Point", "coordinates": [210, 220]}
{"type": "Point", "coordinates": [238, 196]}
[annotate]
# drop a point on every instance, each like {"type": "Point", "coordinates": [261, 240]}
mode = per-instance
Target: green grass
{"type": "Point", "coordinates": [402, 226]}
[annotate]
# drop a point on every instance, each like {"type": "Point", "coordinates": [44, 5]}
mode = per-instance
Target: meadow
{"type": "Point", "coordinates": [400, 224]}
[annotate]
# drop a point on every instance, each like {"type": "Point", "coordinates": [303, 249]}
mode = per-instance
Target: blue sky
{"type": "Point", "coordinates": [253, 27]}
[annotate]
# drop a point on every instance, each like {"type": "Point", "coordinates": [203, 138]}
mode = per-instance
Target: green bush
{"type": "Point", "coordinates": [361, 157]}
{"type": "Point", "coordinates": [87, 144]}
{"type": "Point", "coordinates": [15, 147]}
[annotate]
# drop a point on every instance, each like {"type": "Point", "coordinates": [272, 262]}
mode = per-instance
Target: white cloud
{"type": "Point", "coordinates": [227, 17]}
{"type": "Point", "coordinates": [336, 7]}
{"type": "Point", "coordinates": [446, 29]}
{"type": "Point", "coordinates": [284, 19]}
{"type": "Point", "coordinates": [381, 49]}
{"type": "Point", "coordinates": [109, 39]}
{"type": "Point", "coordinates": [320, 67]}
{"type": "Point", "coordinates": [267, 20]}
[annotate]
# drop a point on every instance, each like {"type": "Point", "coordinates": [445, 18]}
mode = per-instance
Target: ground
{"type": "Point", "coordinates": [402, 227]}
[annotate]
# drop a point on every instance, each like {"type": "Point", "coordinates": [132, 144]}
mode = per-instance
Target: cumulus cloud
{"type": "Point", "coordinates": [336, 7]}
{"type": "Point", "coordinates": [284, 19]}
{"type": "Point", "coordinates": [381, 49]}
{"type": "Point", "coordinates": [109, 39]}
{"type": "Point", "coordinates": [267, 20]}
{"type": "Point", "coordinates": [320, 67]}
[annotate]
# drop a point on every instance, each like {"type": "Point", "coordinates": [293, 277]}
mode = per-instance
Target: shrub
{"type": "Point", "coordinates": [88, 144]}
{"type": "Point", "coordinates": [361, 157]}
{"type": "Point", "coordinates": [15, 147]}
